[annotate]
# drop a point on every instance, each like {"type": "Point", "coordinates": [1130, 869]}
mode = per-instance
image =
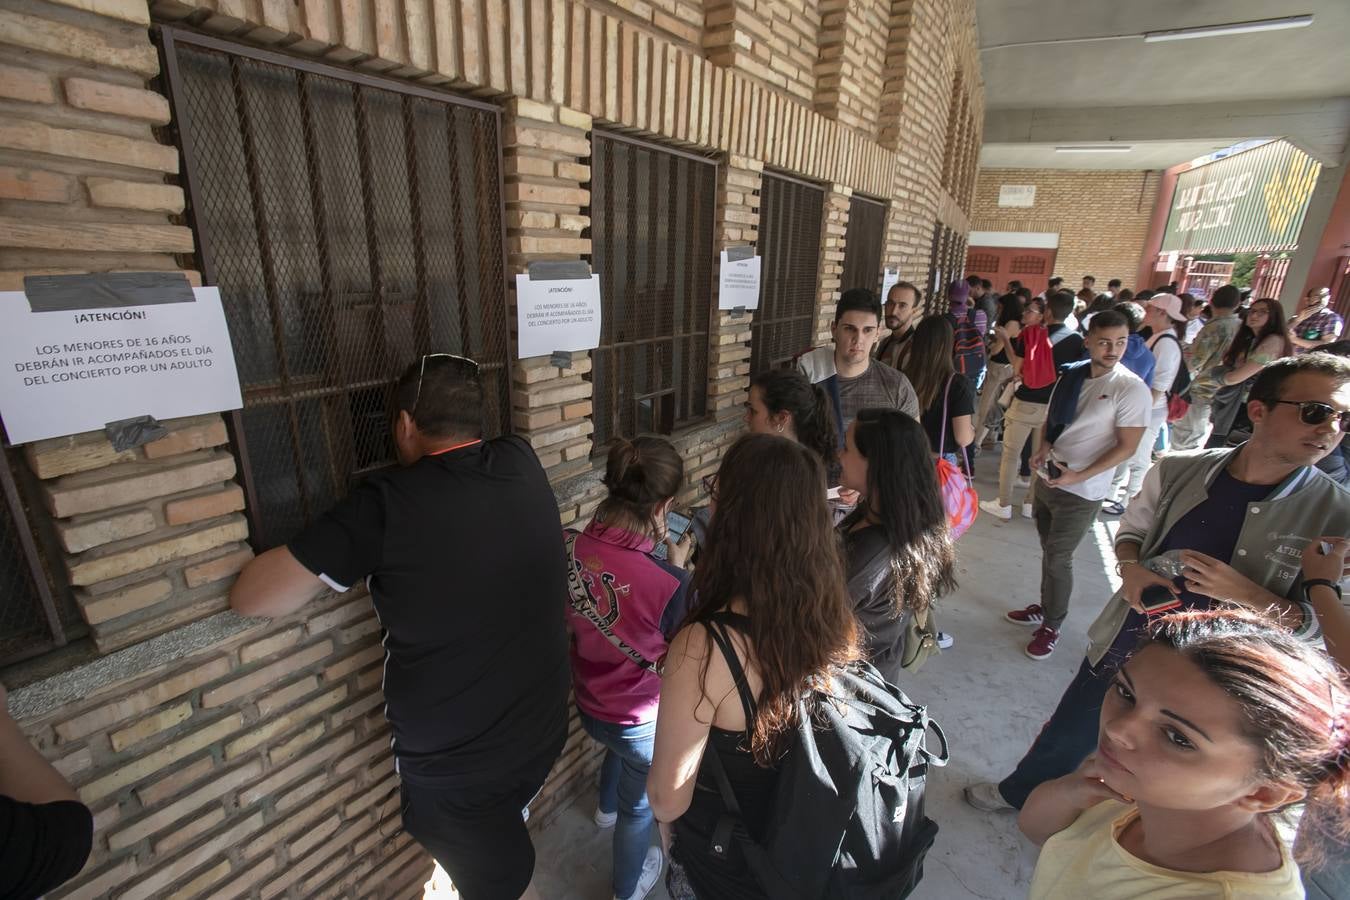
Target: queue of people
{"type": "Point", "coordinates": [703, 646]}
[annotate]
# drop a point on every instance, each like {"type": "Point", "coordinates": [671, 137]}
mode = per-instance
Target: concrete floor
{"type": "Point", "coordinates": [987, 695]}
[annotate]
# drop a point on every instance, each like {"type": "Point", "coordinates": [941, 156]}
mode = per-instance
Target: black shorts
{"type": "Point", "coordinates": [477, 832]}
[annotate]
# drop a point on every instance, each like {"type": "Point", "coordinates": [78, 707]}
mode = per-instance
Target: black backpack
{"type": "Point", "coordinates": [1182, 383]}
{"type": "Point", "coordinates": [848, 807]}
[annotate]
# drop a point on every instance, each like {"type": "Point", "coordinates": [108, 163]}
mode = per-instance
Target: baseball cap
{"type": "Point", "coordinates": [1170, 304]}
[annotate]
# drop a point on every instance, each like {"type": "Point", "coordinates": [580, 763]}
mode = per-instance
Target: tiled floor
{"type": "Point", "coordinates": [987, 695]}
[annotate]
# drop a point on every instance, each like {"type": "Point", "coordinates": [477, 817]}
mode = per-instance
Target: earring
{"type": "Point", "coordinates": [780, 429]}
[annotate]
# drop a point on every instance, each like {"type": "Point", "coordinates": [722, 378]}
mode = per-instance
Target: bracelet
{"type": "Point", "coordinates": [1120, 566]}
{"type": "Point", "coordinates": [1310, 583]}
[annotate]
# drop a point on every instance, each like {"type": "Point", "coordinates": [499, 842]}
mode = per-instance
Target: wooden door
{"type": "Point", "coordinates": [1032, 266]}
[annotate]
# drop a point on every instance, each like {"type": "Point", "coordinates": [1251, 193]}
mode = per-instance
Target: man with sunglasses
{"type": "Point", "coordinates": [1221, 525]}
{"type": "Point", "coordinates": [460, 549]}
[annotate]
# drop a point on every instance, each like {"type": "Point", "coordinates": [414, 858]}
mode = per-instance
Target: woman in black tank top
{"type": "Point", "coordinates": [772, 613]}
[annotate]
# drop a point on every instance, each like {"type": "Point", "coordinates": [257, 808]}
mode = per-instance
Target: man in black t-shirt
{"type": "Point", "coordinates": [461, 550]}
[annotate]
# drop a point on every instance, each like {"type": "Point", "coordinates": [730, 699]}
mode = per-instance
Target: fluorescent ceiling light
{"type": "Point", "coordinates": [1204, 31]}
{"type": "Point", "coordinates": [1097, 148]}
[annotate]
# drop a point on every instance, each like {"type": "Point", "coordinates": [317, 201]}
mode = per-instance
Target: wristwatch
{"type": "Point", "coordinates": [1310, 583]}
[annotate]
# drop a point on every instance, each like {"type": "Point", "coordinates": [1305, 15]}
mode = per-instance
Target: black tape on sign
{"type": "Point", "coordinates": [125, 434]}
{"type": "Point", "coordinates": [559, 270]}
{"type": "Point", "coordinates": [736, 254]}
{"type": "Point", "coordinates": [59, 293]}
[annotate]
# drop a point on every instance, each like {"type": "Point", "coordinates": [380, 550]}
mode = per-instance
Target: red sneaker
{"type": "Point", "coordinates": [1043, 642]}
{"type": "Point", "coordinates": [1032, 615]}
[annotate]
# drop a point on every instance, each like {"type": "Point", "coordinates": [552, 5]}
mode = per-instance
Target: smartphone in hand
{"type": "Point", "coordinates": [676, 525]}
{"type": "Point", "coordinates": [1157, 599]}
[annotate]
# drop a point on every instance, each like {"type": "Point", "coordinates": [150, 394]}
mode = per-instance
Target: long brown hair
{"type": "Point", "coordinates": [1246, 340]}
{"type": "Point", "coordinates": [929, 363]}
{"type": "Point", "coordinates": [903, 497]}
{"type": "Point", "coordinates": [772, 543]}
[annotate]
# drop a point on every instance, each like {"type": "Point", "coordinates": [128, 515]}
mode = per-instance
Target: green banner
{"type": "Point", "coordinates": [1253, 201]}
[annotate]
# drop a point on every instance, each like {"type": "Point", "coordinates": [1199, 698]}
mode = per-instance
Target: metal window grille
{"type": "Point", "coordinates": [352, 224]}
{"type": "Point", "coordinates": [791, 215]}
{"type": "Point", "coordinates": [652, 215]}
{"type": "Point", "coordinates": [863, 240]}
{"type": "Point", "coordinates": [1027, 265]}
{"type": "Point", "coordinates": [34, 618]}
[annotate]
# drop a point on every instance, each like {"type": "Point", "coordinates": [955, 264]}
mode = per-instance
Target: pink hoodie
{"type": "Point", "coordinates": [647, 600]}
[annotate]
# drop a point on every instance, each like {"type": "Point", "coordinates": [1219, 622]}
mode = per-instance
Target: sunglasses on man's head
{"type": "Point", "coordinates": [422, 370]}
{"type": "Point", "coordinates": [1314, 412]}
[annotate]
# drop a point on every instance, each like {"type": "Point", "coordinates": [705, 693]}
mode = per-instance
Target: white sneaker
{"type": "Point", "coordinates": [996, 510]}
{"type": "Point", "coordinates": [1026, 511]}
{"type": "Point", "coordinates": [944, 640]}
{"type": "Point", "coordinates": [604, 819]}
{"type": "Point", "coordinates": [652, 867]}
{"type": "Point", "coordinates": [1023, 482]}
{"type": "Point", "coordinates": [985, 797]}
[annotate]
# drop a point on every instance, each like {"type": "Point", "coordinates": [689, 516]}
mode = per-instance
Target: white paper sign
{"type": "Point", "coordinates": [79, 369]}
{"type": "Point", "coordinates": [889, 279]}
{"type": "Point", "coordinates": [1017, 195]}
{"type": "Point", "coordinates": [557, 315]}
{"type": "Point", "coordinates": [738, 284]}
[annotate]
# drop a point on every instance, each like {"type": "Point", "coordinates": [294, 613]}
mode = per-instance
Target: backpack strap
{"type": "Point", "coordinates": [942, 430]}
{"type": "Point", "coordinates": [725, 831]}
{"type": "Point", "coordinates": [583, 602]}
{"type": "Point", "coordinates": [717, 627]}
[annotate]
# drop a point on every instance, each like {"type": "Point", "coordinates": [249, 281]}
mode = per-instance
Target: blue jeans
{"type": "Point", "coordinates": [1067, 739]}
{"type": "Point", "coordinates": [623, 789]}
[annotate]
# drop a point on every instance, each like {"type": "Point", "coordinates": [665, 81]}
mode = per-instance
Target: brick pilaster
{"type": "Point", "coordinates": [832, 233]}
{"type": "Point", "coordinates": [546, 202]}
{"type": "Point", "coordinates": [738, 184]}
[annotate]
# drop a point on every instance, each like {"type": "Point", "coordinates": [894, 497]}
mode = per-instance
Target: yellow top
{"type": "Point", "coordinates": [1086, 860]}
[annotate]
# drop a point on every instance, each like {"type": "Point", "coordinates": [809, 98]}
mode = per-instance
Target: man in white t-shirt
{"type": "Point", "coordinates": [1162, 315]}
{"type": "Point", "coordinates": [1098, 413]}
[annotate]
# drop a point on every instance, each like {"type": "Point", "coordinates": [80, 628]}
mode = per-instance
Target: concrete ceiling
{"type": "Point", "coordinates": [1172, 101]}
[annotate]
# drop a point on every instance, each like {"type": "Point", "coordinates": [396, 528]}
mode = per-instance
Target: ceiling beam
{"type": "Point", "coordinates": [1320, 127]}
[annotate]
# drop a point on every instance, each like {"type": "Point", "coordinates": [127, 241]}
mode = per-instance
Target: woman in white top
{"type": "Point", "coordinates": [1162, 315]}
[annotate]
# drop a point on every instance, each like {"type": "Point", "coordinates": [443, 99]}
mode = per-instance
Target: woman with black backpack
{"type": "Point", "coordinates": [766, 664]}
{"type": "Point", "coordinates": [770, 582]}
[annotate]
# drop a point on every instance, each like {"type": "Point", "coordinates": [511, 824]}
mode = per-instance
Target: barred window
{"type": "Point", "coordinates": [863, 243]}
{"type": "Point", "coordinates": [352, 224]}
{"type": "Point", "coordinates": [791, 215]}
{"type": "Point", "coordinates": [35, 615]}
{"type": "Point", "coordinates": [652, 216]}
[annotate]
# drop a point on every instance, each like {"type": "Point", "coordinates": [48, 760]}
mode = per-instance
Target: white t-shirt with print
{"type": "Point", "coordinates": [1118, 399]}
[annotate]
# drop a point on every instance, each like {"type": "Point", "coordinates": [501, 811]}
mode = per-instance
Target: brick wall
{"type": "Point", "coordinates": [1101, 217]}
{"type": "Point", "coordinates": [226, 757]}
{"type": "Point", "coordinates": [928, 70]}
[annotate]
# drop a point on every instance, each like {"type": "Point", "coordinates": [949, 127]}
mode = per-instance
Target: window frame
{"type": "Point", "coordinates": [168, 38]}
{"type": "Point", "coordinates": [770, 315]}
{"type": "Point", "coordinates": [33, 548]}
{"type": "Point", "coordinates": [878, 252]}
{"type": "Point", "coordinates": [664, 421]}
